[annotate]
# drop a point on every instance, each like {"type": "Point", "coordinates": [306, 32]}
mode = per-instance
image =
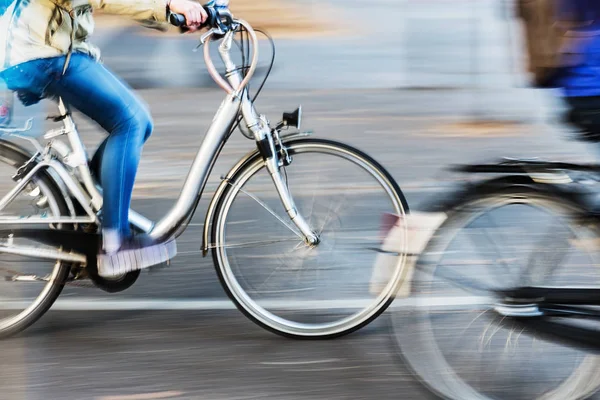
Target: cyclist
{"type": "Point", "coordinates": [45, 53]}
{"type": "Point", "coordinates": [580, 78]}
{"type": "Point", "coordinates": [563, 43]}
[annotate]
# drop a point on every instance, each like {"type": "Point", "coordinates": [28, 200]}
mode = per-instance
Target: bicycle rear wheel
{"type": "Point", "coordinates": [276, 279]}
{"type": "Point", "coordinates": [28, 286]}
{"type": "Point", "coordinates": [453, 339]}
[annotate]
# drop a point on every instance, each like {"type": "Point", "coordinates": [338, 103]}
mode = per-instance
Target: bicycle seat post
{"type": "Point", "coordinates": [78, 157]}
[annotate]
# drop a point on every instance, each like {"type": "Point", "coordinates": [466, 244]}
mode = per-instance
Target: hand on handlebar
{"type": "Point", "coordinates": [194, 13]}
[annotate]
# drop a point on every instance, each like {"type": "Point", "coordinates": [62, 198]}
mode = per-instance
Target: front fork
{"type": "Point", "coordinates": [275, 156]}
{"type": "Point", "coordinates": [265, 141]}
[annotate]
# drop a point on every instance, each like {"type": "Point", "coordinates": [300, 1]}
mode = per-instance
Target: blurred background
{"type": "Point", "coordinates": [417, 84]}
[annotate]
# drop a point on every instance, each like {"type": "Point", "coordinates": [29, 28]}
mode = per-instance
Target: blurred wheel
{"type": "Point", "coordinates": [453, 339]}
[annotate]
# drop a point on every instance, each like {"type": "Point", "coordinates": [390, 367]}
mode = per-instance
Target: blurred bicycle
{"type": "Point", "coordinates": [505, 295]}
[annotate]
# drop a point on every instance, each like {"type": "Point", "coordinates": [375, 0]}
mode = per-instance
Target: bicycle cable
{"type": "Point", "coordinates": [244, 47]}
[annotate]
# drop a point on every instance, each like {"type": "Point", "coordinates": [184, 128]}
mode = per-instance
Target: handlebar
{"type": "Point", "coordinates": [222, 25]}
{"type": "Point", "coordinates": [213, 20]}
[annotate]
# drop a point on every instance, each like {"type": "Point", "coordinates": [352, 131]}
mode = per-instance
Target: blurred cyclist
{"type": "Point", "coordinates": [563, 41]}
{"type": "Point", "coordinates": [45, 52]}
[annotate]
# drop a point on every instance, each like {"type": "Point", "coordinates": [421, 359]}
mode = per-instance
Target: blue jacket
{"type": "Point", "coordinates": [583, 78]}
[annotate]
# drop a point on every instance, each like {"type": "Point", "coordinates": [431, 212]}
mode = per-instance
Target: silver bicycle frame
{"type": "Point", "coordinates": [80, 184]}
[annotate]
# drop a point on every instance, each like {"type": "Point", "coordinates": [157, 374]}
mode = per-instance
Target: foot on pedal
{"type": "Point", "coordinates": [137, 252]}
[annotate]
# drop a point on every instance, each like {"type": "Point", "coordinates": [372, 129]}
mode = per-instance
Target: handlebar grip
{"type": "Point", "coordinates": [177, 20]}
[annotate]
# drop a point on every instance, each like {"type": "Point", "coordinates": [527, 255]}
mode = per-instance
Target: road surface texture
{"type": "Point", "coordinates": [401, 89]}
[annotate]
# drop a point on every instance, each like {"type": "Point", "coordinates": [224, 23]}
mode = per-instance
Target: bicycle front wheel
{"type": "Point", "coordinates": [296, 290]}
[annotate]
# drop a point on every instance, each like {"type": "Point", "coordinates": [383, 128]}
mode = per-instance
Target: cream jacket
{"type": "Point", "coordinates": [32, 29]}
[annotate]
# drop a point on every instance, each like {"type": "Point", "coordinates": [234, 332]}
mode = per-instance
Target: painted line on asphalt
{"type": "Point", "coordinates": [144, 396]}
{"type": "Point", "coordinates": [100, 304]}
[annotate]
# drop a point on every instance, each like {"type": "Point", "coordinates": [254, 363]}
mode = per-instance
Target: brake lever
{"type": "Point", "coordinates": [204, 38]}
{"type": "Point", "coordinates": [208, 34]}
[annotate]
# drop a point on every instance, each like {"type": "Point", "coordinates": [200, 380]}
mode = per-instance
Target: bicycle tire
{"type": "Point", "coordinates": [294, 147]}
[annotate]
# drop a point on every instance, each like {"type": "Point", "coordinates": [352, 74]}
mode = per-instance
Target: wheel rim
{"type": "Point", "coordinates": [419, 340]}
{"type": "Point", "coordinates": [260, 312]}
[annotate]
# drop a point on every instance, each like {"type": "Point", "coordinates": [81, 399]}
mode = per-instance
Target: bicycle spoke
{"type": "Point", "coordinates": [273, 213]}
{"type": "Point", "coordinates": [497, 328]}
{"type": "Point", "coordinates": [497, 261]}
{"type": "Point", "coordinates": [314, 197]}
{"type": "Point", "coordinates": [548, 244]}
{"type": "Point", "coordinates": [495, 246]}
{"type": "Point", "coordinates": [462, 334]}
{"type": "Point", "coordinates": [254, 244]}
{"type": "Point", "coordinates": [461, 281]}
{"type": "Point", "coordinates": [281, 264]}
{"type": "Point", "coordinates": [331, 214]}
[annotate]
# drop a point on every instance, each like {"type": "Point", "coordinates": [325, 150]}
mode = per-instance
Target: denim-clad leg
{"type": "Point", "coordinates": [97, 93]}
{"type": "Point", "coordinates": [92, 89]}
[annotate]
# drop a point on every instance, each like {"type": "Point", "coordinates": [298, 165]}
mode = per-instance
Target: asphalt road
{"type": "Point", "coordinates": [194, 355]}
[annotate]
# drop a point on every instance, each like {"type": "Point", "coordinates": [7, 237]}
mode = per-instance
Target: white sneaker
{"type": "Point", "coordinates": [135, 253]}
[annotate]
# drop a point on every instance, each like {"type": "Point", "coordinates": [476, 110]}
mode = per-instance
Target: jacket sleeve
{"type": "Point", "coordinates": [149, 10]}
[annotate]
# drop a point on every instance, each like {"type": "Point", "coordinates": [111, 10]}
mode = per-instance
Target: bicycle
{"type": "Point", "coordinates": [246, 220]}
{"type": "Point", "coordinates": [504, 322]}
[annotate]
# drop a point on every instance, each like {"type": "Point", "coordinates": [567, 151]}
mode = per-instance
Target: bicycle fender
{"type": "Point", "coordinates": [225, 180]}
{"type": "Point", "coordinates": [59, 183]}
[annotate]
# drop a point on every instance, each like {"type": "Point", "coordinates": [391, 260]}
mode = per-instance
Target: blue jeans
{"type": "Point", "coordinates": [96, 92]}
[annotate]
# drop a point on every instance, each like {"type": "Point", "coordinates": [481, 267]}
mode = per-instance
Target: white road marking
{"type": "Point", "coordinates": [144, 396]}
{"type": "Point", "coordinates": [101, 304]}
